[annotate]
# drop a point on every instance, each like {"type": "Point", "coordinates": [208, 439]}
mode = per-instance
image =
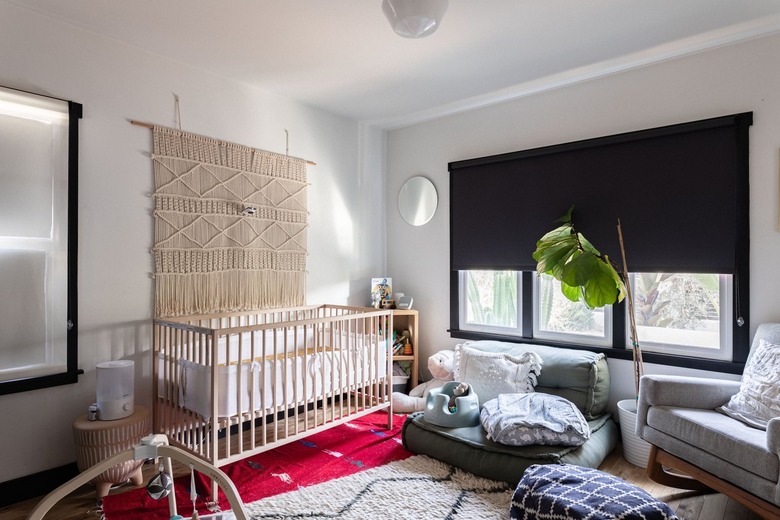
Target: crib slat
{"type": "Point", "coordinates": [319, 366]}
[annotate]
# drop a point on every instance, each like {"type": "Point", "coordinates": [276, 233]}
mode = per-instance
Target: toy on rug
{"type": "Point", "coordinates": [442, 368]}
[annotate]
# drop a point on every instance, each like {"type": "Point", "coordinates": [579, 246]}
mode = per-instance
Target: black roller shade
{"type": "Point", "coordinates": [680, 191]}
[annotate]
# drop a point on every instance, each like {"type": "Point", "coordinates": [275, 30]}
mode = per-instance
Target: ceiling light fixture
{"type": "Point", "coordinates": [414, 18]}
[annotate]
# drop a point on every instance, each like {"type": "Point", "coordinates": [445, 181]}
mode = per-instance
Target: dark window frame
{"type": "Point", "coordinates": [72, 371]}
{"type": "Point", "coordinates": [618, 349]}
{"type": "Point", "coordinates": [741, 275]}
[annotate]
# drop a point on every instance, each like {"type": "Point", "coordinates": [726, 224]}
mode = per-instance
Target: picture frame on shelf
{"type": "Point", "coordinates": [381, 289]}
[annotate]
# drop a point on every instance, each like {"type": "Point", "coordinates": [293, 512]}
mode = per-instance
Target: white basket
{"type": "Point", "coordinates": [635, 449]}
{"type": "Point", "coordinates": [399, 383]}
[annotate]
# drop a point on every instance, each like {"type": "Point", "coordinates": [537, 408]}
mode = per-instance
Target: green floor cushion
{"type": "Point", "coordinates": [580, 376]}
{"type": "Point", "coordinates": [469, 448]}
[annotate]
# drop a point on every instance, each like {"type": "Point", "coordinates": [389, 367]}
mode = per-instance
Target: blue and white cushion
{"type": "Point", "coordinates": [569, 492]}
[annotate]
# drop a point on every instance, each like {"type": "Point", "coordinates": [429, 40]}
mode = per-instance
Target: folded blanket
{"type": "Point", "coordinates": [534, 418]}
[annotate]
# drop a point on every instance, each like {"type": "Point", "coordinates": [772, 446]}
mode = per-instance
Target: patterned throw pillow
{"type": "Point", "coordinates": [494, 373]}
{"type": "Point", "coordinates": [758, 399]}
{"type": "Point", "coordinates": [526, 419]}
{"type": "Point", "coordinates": [569, 492]}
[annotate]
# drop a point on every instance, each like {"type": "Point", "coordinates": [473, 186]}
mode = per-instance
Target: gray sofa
{"type": "Point", "coordinates": [579, 376]}
{"type": "Point", "coordinates": [677, 416]}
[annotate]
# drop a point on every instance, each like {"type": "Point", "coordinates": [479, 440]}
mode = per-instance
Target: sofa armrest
{"type": "Point", "coordinates": [682, 391]}
{"type": "Point", "coordinates": [773, 435]}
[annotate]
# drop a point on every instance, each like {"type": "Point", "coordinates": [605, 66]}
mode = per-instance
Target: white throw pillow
{"type": "Point", "coordinates": [758, 399]}
{"type": "Point", "coordinates": [494, 373]}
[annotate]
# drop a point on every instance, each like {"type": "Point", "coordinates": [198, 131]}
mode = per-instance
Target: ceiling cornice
{"type": "Point", "coordinates": [731, 35]}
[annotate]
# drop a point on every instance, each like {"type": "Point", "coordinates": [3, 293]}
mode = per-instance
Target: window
{"type": "Point", "coordinates": [676, 313]}
{"type": "Point", "coordinates": [681, 193]}
{"type": "Point", "coordinates": [557, 317]}
{"type": "Point", "coordinates": [38, 190]}
{"type": "Point", "coordinates": [682, 313]}
{"type": "Point", "coordinates": [490, 301]}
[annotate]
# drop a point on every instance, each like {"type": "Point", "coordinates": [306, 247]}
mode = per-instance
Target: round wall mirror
{"type": "Point", "coordinates": [417, 201]}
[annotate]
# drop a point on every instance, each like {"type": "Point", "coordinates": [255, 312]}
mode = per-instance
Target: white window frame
{"type": "Point", "coordinates": [491, 329]}
{"type": "Point", "coordinates": [582, 339]}
{"type": "Point", "coordinates": [726, 350]}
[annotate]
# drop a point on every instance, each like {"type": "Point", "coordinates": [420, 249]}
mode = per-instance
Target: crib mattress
{"type": "Point", "coordinates": [287, 377]}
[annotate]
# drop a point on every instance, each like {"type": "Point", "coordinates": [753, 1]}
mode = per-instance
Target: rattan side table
{"type": "Point", "coordinates": [98, 440]}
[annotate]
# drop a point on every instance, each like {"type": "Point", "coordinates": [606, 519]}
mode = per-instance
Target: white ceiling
{"type": "Point", "coordinates": [343, 57]}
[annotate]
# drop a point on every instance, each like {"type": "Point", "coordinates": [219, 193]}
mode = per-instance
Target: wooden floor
{"type": "Point", "coordinates": [689, 505]}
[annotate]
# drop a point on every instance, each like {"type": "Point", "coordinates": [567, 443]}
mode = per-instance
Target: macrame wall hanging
{"type": "Point", "coordinates": [229, 226]}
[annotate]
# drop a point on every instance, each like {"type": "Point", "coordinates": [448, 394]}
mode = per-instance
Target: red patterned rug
{"type": "Point", "coordinates": [340, 451]}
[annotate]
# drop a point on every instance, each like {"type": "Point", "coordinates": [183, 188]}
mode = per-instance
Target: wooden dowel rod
{"type": "Point", "coordinates": [150, 126]}
{"type": "Point", "coordinates": [140, 123]}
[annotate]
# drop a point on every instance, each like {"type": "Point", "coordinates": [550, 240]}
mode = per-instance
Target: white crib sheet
{"type": "Point", "coordinates": [304, 374]}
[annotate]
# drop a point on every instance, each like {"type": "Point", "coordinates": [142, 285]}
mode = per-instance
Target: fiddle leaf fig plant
{"type": "Point", "coordinates": [585, 274]}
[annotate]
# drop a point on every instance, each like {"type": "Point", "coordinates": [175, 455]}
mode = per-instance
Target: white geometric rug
{"type": "Point", "coordinates": [415, 488]}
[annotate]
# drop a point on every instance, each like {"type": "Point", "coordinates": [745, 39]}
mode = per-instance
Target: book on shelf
{"type": "Point", "coordinates": [381, 289]}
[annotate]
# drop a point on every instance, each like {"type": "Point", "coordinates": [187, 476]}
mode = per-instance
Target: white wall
{"type": "Point", "coordinates": [116, 83]}
{"type": "Point", "coordinates": [739, 78]}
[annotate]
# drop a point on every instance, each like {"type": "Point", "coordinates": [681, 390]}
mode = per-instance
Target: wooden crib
{"type": "Point", "coordinates": [232, 385]}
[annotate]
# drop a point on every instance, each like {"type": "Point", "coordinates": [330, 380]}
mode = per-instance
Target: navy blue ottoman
{"type": "Point", "coordinates": [566, 491]}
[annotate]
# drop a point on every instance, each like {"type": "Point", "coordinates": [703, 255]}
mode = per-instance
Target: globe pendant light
{"type": "Point", "coordinates": [414, 18]}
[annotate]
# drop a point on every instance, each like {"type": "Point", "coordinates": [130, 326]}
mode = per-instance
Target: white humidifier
{"type": "Point", "coordinates": [115, 380]}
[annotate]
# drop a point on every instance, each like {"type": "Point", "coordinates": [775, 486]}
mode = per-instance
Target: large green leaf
{"type": "Point", "coordinates": [587, 246]}
{"type": "Point", "coordinates": [582, 267]}
{"type": "Point", "coordinates": [556, 234]}
{"type": "Point", "coordinates": [601, 289]}
{"type": "Point", "coordinates": [548, 256]}
{"type": "Point", "coordinates": [572, 293]}
{"type": "Point", "coordinates": [585, 274]}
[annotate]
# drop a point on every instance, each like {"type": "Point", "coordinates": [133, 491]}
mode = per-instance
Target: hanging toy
{"type": "Point", "coordinates": [193, 493]}
{"type": "Point", "coordinates": [160, 485]}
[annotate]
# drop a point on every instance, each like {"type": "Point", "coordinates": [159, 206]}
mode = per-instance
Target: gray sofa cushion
{"type": "Point", "coordinates": [725, 438]}
{"type": "Point", "coordinates": [736, 475]}
{"type": "Point", "coordinates": [580, 376]}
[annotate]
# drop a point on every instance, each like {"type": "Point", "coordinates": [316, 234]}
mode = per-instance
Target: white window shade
{"type": "Point", "coordinates": [38, 172]}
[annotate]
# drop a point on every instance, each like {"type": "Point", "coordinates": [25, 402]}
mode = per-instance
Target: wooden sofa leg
{"type": "Point", "coordinates": [658, 458]}
{"type": "Point", "coordinates": [657, 473]}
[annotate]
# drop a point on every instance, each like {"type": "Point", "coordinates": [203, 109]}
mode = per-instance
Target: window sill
{"type": "Point", "coordinates": [36, 383]}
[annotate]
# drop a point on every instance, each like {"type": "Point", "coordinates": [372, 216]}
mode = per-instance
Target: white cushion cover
{"type": "Point", "coordinates": [494, 373]}
{"type": "Point", "coordinates": [758, 399]}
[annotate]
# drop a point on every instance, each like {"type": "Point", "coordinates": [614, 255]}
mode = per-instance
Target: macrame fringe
{"type": "Point", "coordinates": [232, 291]}
{"type": "Point", "coordinates": [185, 261]}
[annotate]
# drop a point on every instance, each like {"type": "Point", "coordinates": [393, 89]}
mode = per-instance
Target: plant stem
{"type": "Point", "coordinates": [635, 349]}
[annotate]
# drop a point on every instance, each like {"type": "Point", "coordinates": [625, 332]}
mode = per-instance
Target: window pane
{"type": "Point", "coordinates": [34, 219]}
{"type": "Point", "coordinates": [491, 298]}
{"type": "Point", "coordinates": [678, 309]}
{"type": "Point", "coordinates": [558, 314]}
{"type": "Point", "coordinates": [28, 150]}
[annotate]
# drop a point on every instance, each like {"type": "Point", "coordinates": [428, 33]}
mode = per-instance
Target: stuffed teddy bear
{"type": "Point", "coordinates": [442, 368]}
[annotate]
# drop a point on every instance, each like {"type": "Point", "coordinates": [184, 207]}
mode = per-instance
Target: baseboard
{"type": "Point", "coordinates": [35, 485]}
